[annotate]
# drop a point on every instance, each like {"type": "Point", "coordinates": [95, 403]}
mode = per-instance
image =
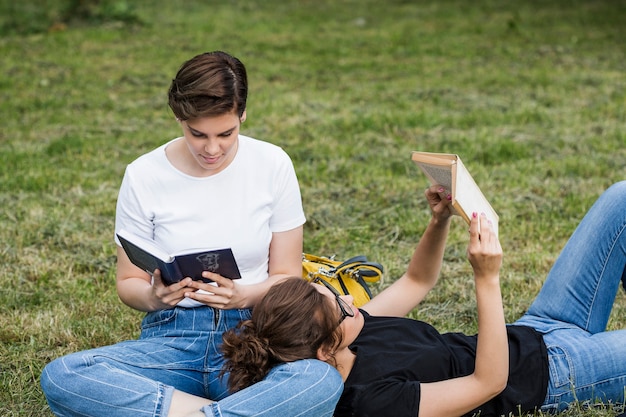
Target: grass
{"type": "Point", "coordinates": [531, 95]}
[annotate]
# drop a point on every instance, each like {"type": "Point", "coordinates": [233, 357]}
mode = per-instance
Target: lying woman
{"type": "Point", "coordinates": [559, 352]}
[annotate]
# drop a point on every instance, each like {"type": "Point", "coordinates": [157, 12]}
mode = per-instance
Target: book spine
{"type": "Point", "coordinates": [170, 272]}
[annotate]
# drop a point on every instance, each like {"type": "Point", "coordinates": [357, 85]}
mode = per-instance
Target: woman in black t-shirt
{"type": "Point", "coordinates": [557, 353]}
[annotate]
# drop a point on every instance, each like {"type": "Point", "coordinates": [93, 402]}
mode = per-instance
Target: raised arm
{"type": "Point", "coordinates": [492, 353]}
{"type": "Point", "coordinates": [423, 272]}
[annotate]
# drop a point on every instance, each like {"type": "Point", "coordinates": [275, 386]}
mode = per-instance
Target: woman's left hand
{"type": "Point", "coordinates": [224, 295]}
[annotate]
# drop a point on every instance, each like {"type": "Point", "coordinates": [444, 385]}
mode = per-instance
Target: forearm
{"type": "Point", "coordinates": [137, 293]}
{"type": "Point", "coordinates": [492, 352]}
{"type": "Point", "coordinates": [427, 258]}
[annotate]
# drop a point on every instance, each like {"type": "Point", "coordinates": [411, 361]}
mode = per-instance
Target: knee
{"type": "Point", "coordinates": [56, 375]}
{"type": "Point", "coordinates": [321, 379]}
{"type": "Point", "coordinates": [51, 377]}
{"type": "Point", "coordinates": [305, 385]}
{"type": "Point", "coordinates": [618, 188]}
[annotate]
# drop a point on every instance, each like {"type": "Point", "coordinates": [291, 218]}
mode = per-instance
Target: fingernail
{"type": "Point", "coordinates": [449, 197]}
{"type": "Point", "coordinates": [474, 214]}
{"type": "Point", "coordinates": [440, 189]}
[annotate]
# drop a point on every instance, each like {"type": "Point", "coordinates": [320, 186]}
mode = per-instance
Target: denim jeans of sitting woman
{"type": "Point", "coordinates": [586, 363]}
{"type": "Point", "coordinates": [179, 349]}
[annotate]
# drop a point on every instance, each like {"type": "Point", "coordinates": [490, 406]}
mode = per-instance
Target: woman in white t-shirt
{"type": "Point", "coordinates": [212, 188]}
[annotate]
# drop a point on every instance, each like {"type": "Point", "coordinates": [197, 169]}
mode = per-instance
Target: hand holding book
{"type": "Point", "coordinates": [148, 256]}
{"type": "Point", "coordinates": [448, 170]}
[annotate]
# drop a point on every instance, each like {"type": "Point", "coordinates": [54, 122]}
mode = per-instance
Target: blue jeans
{"type": "Point", "coordinates": [179, 349]}
{"type": "Point", "coordinates": [305, 388]}
{"type": "Point", "coordinates": [586, 363]}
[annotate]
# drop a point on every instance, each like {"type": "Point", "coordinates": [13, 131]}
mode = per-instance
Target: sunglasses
{"type": "Point", "coordinates": [344, 307]}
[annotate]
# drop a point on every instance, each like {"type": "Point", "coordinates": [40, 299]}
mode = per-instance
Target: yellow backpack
{"type": "Point", "coordinates": [343, 278]}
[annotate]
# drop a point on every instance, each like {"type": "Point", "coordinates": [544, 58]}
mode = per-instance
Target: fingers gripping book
{"type": "Point", "coordinates": [148, 256]}
{"type": "Point", "coordinates": [448, 170]}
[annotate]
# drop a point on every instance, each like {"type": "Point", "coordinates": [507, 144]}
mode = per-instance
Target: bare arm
{"type": "Point", "coordinates": [492, 353]}
{"type": "Point", "coordinates": [135, 287]}
{"type": "Point", "coordinates": [423, 272]}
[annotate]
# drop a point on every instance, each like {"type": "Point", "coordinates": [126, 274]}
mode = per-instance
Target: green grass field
{"type": "Point", "coordinates": [531, 94]}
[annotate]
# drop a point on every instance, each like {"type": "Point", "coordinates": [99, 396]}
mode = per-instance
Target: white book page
{"type": "Point", "coordinates": [438, 174]}
{"type": "Point", "coordinates": [470, 197]}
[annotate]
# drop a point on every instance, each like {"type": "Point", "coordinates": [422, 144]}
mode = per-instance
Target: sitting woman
{"type": "Point", "coordinates": [559, 352]}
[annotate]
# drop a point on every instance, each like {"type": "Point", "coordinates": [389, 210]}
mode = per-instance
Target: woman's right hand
{"type": "Point", "coordinates": [169, 295]}
{"type": "Point", "coordinates": [137, 289]}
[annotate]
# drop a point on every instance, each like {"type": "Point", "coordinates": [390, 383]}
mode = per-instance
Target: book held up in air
{"type": "Point", "coordinates": [448, 170]}
{"type": "Point", "coordinates": [147, 255]}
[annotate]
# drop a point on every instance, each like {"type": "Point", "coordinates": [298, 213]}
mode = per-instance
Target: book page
{"type": "Point", "coordinates": [438, 174]}
{"type": "Point", "coordinates": [470, 198]}
{"type": "Point", "coordinates": [142, 249]}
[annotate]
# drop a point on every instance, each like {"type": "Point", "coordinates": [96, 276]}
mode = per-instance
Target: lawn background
{"type": "Point", "coordinates": [531, 94]}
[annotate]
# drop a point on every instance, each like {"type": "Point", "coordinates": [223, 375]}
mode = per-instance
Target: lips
{"type": "Point", "coordinates": [210, 159]}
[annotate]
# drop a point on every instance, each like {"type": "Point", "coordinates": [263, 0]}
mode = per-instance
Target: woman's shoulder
{"type": "Point", "coordinates": [257, 147]}
{"type": "Point", "coordinates": [151, 158]}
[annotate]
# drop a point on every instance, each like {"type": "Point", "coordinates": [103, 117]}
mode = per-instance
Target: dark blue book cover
{"type": "Point", "coordinates": [147, 256]}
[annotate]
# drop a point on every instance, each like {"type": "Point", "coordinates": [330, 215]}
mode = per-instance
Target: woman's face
{"type": "Point", "coordinates": [212, 141]}
{"type": "Point", "coordinates": [350, 327]}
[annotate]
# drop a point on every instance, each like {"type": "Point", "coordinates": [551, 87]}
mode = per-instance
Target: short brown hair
{"type": "Point", "coordinates": [209, 84]}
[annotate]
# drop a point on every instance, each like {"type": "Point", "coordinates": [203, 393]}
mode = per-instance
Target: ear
{"type": "Point", "coordinates": [243, 117]}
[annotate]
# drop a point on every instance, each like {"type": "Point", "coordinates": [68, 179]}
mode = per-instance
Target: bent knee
{"type": "Point", "coordinates": [618, 187]}
{"type": "Point", "coordinates": [319, 368]}
{"type": "Point", "coordinates": [323, 378]}
{"type": "Point", "coordinates": [52, 373]}
{"type": "Point", "coordinates": [56, 374]}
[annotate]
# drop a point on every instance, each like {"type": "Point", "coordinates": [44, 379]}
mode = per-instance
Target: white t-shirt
{"type": "Point", "coordinates": [238, 208]}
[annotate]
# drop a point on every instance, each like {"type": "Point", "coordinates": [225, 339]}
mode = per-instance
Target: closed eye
{"type": "Point", "coordinates": [226, 134]}
{"type": "Point", "coordinates": [196, 133]}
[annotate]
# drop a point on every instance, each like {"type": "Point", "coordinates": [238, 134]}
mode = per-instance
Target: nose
{"type": "Point", "coordinates": [212, 147]}
{"type": "Point", "coordinates": [348, 299]}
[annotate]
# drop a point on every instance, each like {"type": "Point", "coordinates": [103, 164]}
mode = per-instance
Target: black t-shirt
{"type": "Point", "coordinates": [393, 355]}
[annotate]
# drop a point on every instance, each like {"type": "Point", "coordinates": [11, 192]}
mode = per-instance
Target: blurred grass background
{"type": "Point", "coordinates": [530, 94]}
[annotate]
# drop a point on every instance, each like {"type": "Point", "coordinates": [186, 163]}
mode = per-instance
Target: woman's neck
{"type": "Point", "coordinates": [344, 362]}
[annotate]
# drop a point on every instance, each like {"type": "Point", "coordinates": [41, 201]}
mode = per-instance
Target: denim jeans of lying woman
{"type": "Point", "coordinates": [179, 349]}
{"type": "Point", "coordinates": [586, 363]}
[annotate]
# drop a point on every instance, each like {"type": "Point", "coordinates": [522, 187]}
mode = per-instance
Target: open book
{"type": "Point", "coordinates": [147, 255]}
{"type": "Point", "coordinates": [448, 170]}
